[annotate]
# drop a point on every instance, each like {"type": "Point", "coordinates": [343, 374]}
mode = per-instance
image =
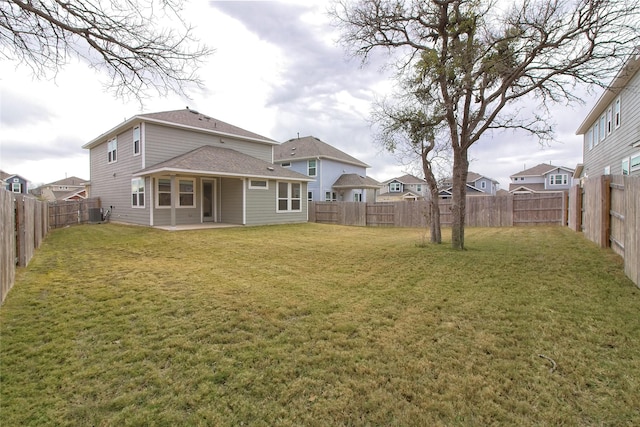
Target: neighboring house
{"type": "Point", "coordinates": [477, 185]}
{"type": "Point", "coordinates": [72, 188]}
{"type": "Point", "coordinates": [611, 130]}
{"type": "Point", "coordinates": [14, 183]}
{"type": "Point", "coordinates": [540, 179]}
{"type": "Point", "coordinates": [336, 175]}
{"type": "Point", "coordinates": [406, 187]}
{"type": "Point", "coordinates": [183, 167]}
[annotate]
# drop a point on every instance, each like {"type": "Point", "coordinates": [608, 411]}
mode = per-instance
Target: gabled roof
{"type": "Point", "coordinates": [353, 180]}
{"type": "Point", "coordinates": [471, 178]}
{"type": "Point", "coordinates": [310, 147]}
{"type": "Point", "coordinates": [407, 179]}
{"type": "Point", "coordinates": [72, 180]}
{"type": "Point", "coordinates": [210, 160]}
{"type": "Point", "coordinates": [183, 119]}
{"type": "Point", "coordinates": [540, 170]}
{"type": "Point", "coordinates": [528, 188]}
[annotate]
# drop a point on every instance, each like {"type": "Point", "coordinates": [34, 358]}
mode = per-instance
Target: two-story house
{"type": "Point", "coordinates": [477, 185]}
{"type": "Point", "coordinates": [611, 130]}
{"type": "Point", "coordinates": [406, 187]}
{"type": "Point", "coordinates": [183, 167]}
{"type": "Point", "coordinates": [71, 188]}
{"type": "Point", "coordinates": [337, 176]}
{"type": "Point", "coordinates": [15, 183]}
{"type": "Point", "coordinates": [540, 179]}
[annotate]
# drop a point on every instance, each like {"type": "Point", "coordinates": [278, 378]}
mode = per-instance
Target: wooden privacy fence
{"type": "Point", "coordinates": [607, 210]}
{"type": "Point", "coordinates": [23, 227]}
{"type": "Point", "coordinates": [481, 211]}
{"type": "Point", "coordinates": [62, 214]}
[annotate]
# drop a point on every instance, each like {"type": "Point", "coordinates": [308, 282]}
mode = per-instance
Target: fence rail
{"type": "Point", "coordinates": [62, 214]}
{"type": "Point", "coordinates": [25, 222]}
{"type": "Point", "coordinates": [607, 210]}
{"type": "Point", "coordinates": [481, 211]}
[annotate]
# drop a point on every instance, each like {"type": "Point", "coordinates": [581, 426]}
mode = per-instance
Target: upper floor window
{"type": "Point", "coordinates": [395, 187]}
{"type": "Point", "coordinates": [136, 140]}
{"type": "Point", "coordinates": [596, 134]}
{"type": "Point", "coordinates": [112, 150]}
{"type": "Point", "coordinates": [558, 179]}
{"type": "Point", "coordinates": [16, 187]}
{"type": "Point", "coordinates": [311, 169]}
{"type": "Point", "coordinates": [419, 188]}
{"type": "Point", "coordinates": [589, 137]}
{"type": "Point", "coordinates": [609, 120]}
{"type": "Point", "coordinates": [483, 185]}
{"type": "Point", "coordinates": [616, 112]}
{"type": "Point", "coordinates": [603, 128]}
{"type": "Point", "coordinates": [137, 192]}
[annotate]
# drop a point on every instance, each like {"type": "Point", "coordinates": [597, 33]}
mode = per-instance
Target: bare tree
{"type": "Point", "coordinates": [480, 57]}
{"type": "Point", "coordinates": [411, 132]}
{"type": "Point", "coordinates": [138, 44]}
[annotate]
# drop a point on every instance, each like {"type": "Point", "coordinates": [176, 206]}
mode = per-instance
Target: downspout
{"type": "Point", "coordinates": [244, 201]}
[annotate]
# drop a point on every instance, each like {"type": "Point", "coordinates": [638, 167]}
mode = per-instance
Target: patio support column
{"type": "Point", "coordinates": [174, 195]}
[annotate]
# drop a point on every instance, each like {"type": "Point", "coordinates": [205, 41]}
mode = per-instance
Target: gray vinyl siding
{"type": "Point", "coordinates": [231, 200]}
{"type": "Point", "coordinates": [617, 145]}
{"type": "Point", "coordinates": [262, 206]}
{"type": "Point", "coordinates": [111, 182]}
{"type": "Point", "coordinates": [163, 143]}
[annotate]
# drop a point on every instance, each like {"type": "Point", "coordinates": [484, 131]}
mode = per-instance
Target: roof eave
{"type": "Point", "coordinates": [127, 123]}
{"type": "Point", "coordinates": [168, 170]}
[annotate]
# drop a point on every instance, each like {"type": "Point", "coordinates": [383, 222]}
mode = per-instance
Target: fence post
{"type": "Point", "coordinates": [605, 215]}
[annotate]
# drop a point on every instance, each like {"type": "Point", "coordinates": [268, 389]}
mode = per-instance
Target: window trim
{"type": "Point", "coordinates": [314, 167]}
{"type": "Point", "coordinates": [617, 112]}
{"type": "Point", "coordinates": [395, 187]}
{"type": "Point", "coordinates": [289, 197]}
{"type": "Point", "coordinates": [138, 140]}
{"type": "Point", "coordinates": [603, 127]}
{"type": "Point", "coordinates": [633, 157]}
{"type": "Point", "coordinates": [112, 147]}
{"type": "Point", "coordinates": [609, 120]}
{"type": "Point", "coordinates": [258, 187]}
{"type": "Point", "coordinates": [626, 162]}
{"type": "Point", "coordinates": [332, 196]}
{"type": "Point", "coordinates": [177, 200]}
{"type": "Point", "coordinates": [564, 179]}
{"type": "Point", "coordinates": [16, 185]}
{"type": "Point", "coordinates": [135, 195]}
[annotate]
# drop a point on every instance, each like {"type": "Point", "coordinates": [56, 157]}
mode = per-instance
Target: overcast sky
{"type": "Point", "coordinates": [277, 71]}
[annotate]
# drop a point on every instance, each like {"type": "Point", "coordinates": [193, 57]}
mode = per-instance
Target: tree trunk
{"type": "Point", "coordinates": [459, 197]}
{"type": "Point", "coordinates": [434, 208]}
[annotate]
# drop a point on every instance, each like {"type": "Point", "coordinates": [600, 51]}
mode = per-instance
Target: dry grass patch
{"type": "Point", "coordinates": [319, 325]}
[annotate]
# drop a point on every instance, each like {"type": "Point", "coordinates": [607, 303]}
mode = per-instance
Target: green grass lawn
{"type": "Point", "coordinates": [319, 325]}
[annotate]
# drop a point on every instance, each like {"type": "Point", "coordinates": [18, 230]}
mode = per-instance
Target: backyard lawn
{"type": "Point", "coordinates": [319, 325]}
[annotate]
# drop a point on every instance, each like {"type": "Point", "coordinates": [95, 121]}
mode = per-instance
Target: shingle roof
{"type": "Point", "coordinates": [188, 119]}
{"type": "Point", "coordinates": [353, 180]}
{"type": "Point", "coordinates": [309, 147]}
{"type": "Point", "coordinates": [408, 179]}
{"type": "Point", "coordinates": [534, 187]}
{"type": "Point", "coordinates": [72, 180]}
{"type": "Point", "coordinates": [540, 170]}
{"type": "Point", "coordinates": [195, 119]}
{"type": "Point", "coordinates": [209, 160]}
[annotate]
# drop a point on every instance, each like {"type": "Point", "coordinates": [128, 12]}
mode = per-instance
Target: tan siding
{"type": "Point", "coordinates": [164, 143]}
{"type": "Point", "coordinates": [231, 200]}
{"type": "Point", "coordinates": [261, 207]}
{"type": "Point", "coordinates": [111, 182]}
